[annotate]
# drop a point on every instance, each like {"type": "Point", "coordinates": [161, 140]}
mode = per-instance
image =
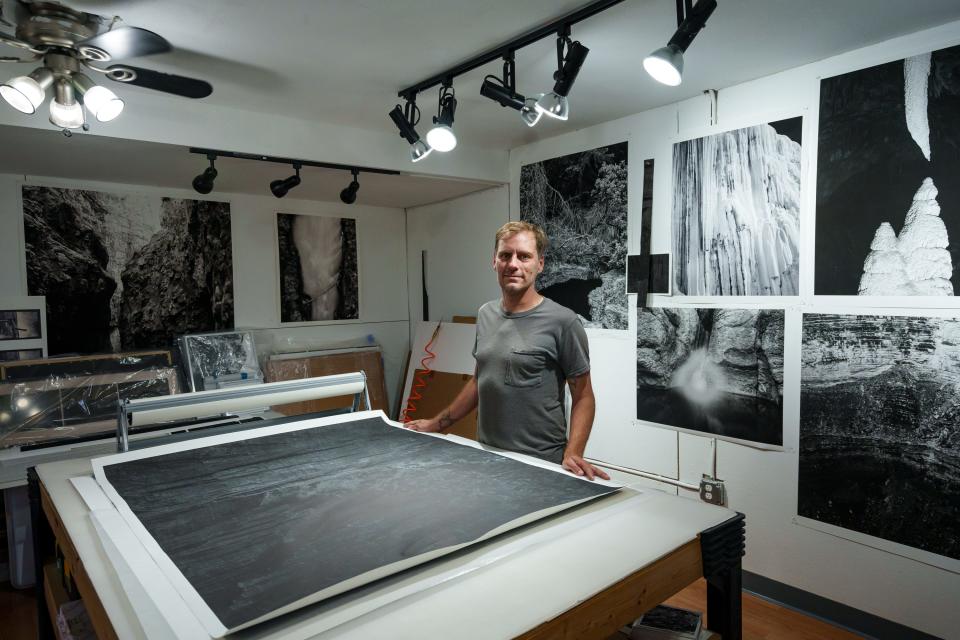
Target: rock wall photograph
{"type": "Point", "coordinates": [581, 202]}
{"type": "Point", "coordinates": [888, 198]}
{"type": "Point", "coordinates": [736, 212]}
{"type": "Point", "coordinates": [880, 427]}
{"type": "Point", "coordinates": [319, 279]}
{"type": "Point", "coordinates": [127, 271]}
{"type": "Point", "coordinates": [716, 371]}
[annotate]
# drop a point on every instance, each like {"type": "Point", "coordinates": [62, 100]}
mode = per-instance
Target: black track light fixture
{"type": "Point", "coordinates": [349, 195]}
{"type": "Point", "coordinates": [441, 137]}
{"type": "Point", "coordinates": [203, 183]}
{"type": "Point", "coordinates": [665, 65]}
{"type": "Point", "coordinates": [406, 120]}
{"type": "Point", "coordinates": [570, 57]}
{"type": "Point", "coordinates": [504, 91]}
{"type": "Point", "coordinates": [279, 188]}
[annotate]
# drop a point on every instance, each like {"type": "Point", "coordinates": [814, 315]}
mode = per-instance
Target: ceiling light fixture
{"type": "Point", "coordinates": [441, 137]}
{"type": "Point", "coordinates": [280, 188]}
{"type": "Point", "coordinates": [102, 103]}
{"type": "Point", "coordinates": [65, 111]}
{"type": "Point", "coordinates": [554, 103]}
{"type": "Point", "coordinates": [27, 93]}
{"type": "Point", "coordinates": [406, 120]}
{"type": "Point", "coordinates": [349, 195]}
{"type": "Point", "coordinates": [665, 65]}
{"type": "Point", "coordinates": [203, 183]}
{"type": "Point", "coordinates": [504, 91]}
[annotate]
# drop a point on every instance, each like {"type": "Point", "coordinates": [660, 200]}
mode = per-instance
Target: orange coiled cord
{"type": "Point", "coordinates": [419, 379]}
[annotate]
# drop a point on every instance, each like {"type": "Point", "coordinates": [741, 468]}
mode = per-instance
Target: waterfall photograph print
{"type": "Point", "coordinates": [581, 202]}
{"type": "Point", "coordinates": [318, 268]}
{"type": "Point", "coordinates": [714, 371]}
{"type": "Point", "coordinates": [736, 212]}
{"type": "Point", "coordinates": [880, 427]}
{"type": "Point", "coordinates": [152, 268]}
{"type": "Point", "coordinates": [888, 197]}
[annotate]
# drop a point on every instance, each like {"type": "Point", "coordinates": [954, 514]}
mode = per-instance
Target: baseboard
{"type": "Point", "coordinates": [853, 620]}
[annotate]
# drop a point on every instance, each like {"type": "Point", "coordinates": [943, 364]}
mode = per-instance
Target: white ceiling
{"type": "Point", "coordinates": [42, 152]}
{"type": "Point", "coordinates": [342, 62]}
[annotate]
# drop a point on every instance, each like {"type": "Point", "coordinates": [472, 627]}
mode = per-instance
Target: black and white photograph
{"type": "Point", "coordinates": [880, 427]}
{"type": "Point", "coordinates": [736, 212]}
{"type": "Point", "coordinates": [319, 278]}
{"type": "Point", "coordinates": [888, 199]}
{"type": "Point", "coordinates": [152, 267]}
{"type": "Point", "coordinates": [581, 202]}
{"type": "Point", "coordinates": [714, 371]}
{"type": "Point", "coordinates": [20, 354]}
{"type": "Point", "coordinates": [20, 325]}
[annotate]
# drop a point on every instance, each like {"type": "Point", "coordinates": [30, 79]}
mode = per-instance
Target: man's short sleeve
{"type": "Point", "coordinates": [574, 357]}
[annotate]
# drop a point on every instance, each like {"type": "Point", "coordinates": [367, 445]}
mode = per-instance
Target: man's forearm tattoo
{"type": "Point", "coordinates": [445, 420]}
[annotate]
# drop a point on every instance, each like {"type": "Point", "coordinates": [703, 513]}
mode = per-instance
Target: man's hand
{"type": "Point", "coordinates": [578, 466]}
{"type": "Point", "coordinates": [431, 425]}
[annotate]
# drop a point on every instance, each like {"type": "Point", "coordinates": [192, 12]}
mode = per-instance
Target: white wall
{"type": "Point", "coordinates": [381, 254]}
{"type": "Point", "coordinates": [762, 484]}
{"type": "Point", "coordinates": [458, 236]}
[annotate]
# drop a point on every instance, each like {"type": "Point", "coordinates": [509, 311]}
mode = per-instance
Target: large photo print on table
{"type": "Point", "coordinates": [318, 268]}
{"type": "Point", "coordinates": [888, 197]}
{"type": "Point", "coordinates": [581, 202]}
{"type": "Point", "coordinates": [880, 427]}
{"type": "Point", "coordinates": [736, 212]}
{"type": "Point", "coordinates": [718, 372]}
{"type": "Point", "coordinates": [127, 271]}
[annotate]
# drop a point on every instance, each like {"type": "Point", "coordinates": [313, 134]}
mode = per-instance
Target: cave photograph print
{"type": "Point", "coordinates": [580, 200]}
{"type": "Point", "coordinates": [714, 371]}
{"type": "Point", "coordinates": [126, 271]}
{"type": "Point", "coordinates": [318, 268]}
{"type": "Point", "coordinates": [888, 197]}
{"type": "Point", "coordinates": [736, 212]}
{"type": "Point", "coordinates": [880, 427]}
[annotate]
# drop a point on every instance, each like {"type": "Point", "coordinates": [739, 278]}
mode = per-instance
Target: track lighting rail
{"type": "Point", "coordinates": [290, 161]}
{"type": "Point", "coordinates": [561, 25]}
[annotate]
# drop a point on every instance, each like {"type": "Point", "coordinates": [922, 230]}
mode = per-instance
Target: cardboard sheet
{"type": "Point", "coordinates": [249, 526]}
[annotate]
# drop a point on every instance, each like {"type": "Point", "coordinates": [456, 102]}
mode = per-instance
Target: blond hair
{"type": "Point", "coordinates": [513, 228]}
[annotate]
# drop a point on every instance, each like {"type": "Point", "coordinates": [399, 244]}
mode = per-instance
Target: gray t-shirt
{"type": "Point", "coordinates": [523, 362]}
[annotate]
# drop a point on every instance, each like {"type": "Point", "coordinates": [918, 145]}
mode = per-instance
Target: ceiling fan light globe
{"type": "Point", "coordinates": [66, 116]}
{"type": "Point", "coordinates": [554, 105]}
{"type": "Point", "coordinates": [103, 103]}
{"type": "Point", "coordinates": [665, 65]}
{"type": "Point", "coordinates": [23, 93]}
{"type": "Point", "coordinates": [419, 150]}
{"type": "Point", "coordinates": [442, 138]}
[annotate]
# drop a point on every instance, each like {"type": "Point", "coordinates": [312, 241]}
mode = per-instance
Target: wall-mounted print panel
{"type": "Point", "coordinates": [880, 427]}
{"type": "Point", "coordinates": [20, 354]}
{"type": "Point", "coordinates": [126, 271]}
{"type": "Point", "coordinates": [736, 212]}
{"type": "Point", "coordinates": [888, 198]}
{"type": "Point", "coordinates": [20, 325]}
{"type": "Point", "coordinates": [581, 202]}
{"type": "Point", "coordinates": [319, 279]}
{"type": "Point", "coordinates": [715, 372]}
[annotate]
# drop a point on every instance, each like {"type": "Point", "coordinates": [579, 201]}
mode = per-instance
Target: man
{"type": "Point", "coordinates": [528, 347]}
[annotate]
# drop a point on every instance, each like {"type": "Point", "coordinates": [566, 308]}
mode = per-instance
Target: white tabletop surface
{"type": "Point", "coordinates": [498, 589]}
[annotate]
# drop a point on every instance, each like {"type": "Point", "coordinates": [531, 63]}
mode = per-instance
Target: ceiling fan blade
{"type": "Point", "coordinates": [166, 82]}
{"type": "Point", "coordinates": [125, 42]}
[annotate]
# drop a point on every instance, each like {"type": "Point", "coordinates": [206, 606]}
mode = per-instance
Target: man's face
{"type": "Point", "coordinates": [517, 262]}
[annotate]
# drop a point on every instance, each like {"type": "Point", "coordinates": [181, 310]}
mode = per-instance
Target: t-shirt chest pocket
{"type": "Point", "coordinates": [525, 368]}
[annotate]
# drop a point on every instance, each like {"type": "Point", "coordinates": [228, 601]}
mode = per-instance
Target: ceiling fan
{"type": "Point", "coordinates": [68, 42]}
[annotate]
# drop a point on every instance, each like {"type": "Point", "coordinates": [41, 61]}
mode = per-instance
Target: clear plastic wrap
{"type": "Point", "coordinates": [219, 360]}
{"type": "Point", "coordinates": [64, 399]}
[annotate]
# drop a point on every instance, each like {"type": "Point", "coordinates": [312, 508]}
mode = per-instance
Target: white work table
{"type": "Point", "coordinates": [580, 574]}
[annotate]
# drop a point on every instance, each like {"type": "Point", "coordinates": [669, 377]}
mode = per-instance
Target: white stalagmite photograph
{"type": "Point", "coordinates": [888, 197]}
{"type": "Point", "coordinates": [736, 212]}
{"type": "Point", "coordinates": [318, 268]}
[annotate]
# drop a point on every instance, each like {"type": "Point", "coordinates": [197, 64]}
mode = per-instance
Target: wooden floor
{"type": "Point", "coordinates": [761, 619]}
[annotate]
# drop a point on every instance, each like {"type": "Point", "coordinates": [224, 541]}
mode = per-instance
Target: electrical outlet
{"type": "Point", "coordinates": [713, 491]}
